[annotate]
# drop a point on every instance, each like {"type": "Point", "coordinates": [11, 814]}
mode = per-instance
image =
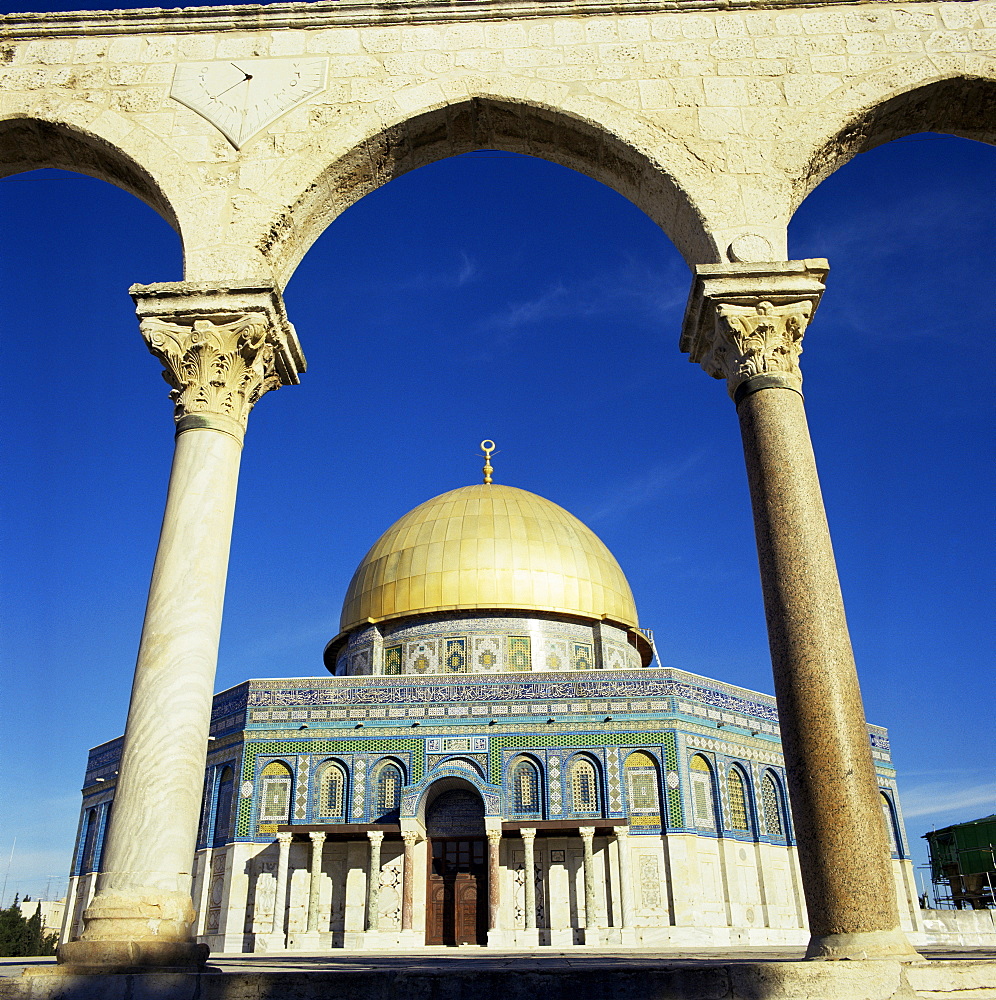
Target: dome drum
{"type": "Point", "coordinates": [495, 644]}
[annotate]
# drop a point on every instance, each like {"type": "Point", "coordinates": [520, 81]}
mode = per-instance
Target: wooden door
{"type": "Point", "coordinates": [457, 891]}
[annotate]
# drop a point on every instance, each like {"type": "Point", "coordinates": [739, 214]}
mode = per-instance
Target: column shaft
{"type": "Point", "coordinates": [280, 894]}
{"type": "Point", "coordinates": [408, 881]}
{"type": "Point", "coordinates": [373, 880]}
{"type": "Point", "coordinates": [494, 879]}
{"type": "Point", "coordinates": [144, 889]}
{"type": "Point", "coordinates": [315, 887]}
{"type": "Point", "coordinates": [625, 883]}
{"type": "Point", "coordinates": [745, 323]}
{"type": "Point", "coordinates": [221, 348]}
{"type": "Point", "coordinates": [587, 842]}
{"type": "Point", "coordinates": [843, 852]}
{"type": "Point", "coordinates": [529, 877]}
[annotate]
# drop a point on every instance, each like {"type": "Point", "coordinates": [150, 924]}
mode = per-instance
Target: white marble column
{"type": "Point", "coordinates": [283, 880]}
{"type": "Point", "coordinates": [221, 350]}
{"type": "Point", "coordinates": [315, 885]}
{"type": "Point", "coordinates": [528, 835]}
{"type": "Point", "coordinates": [376, 838]}
{"type": "Point", "coordinates": [588, 861]}
{"type": "Point", "coordinates": [745, 324]}
{"type": "Point", "coordinates": [625, 877]}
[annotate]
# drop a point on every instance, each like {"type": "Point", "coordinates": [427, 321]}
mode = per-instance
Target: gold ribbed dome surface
{"type": "Point", "coordinates": [488, 546]}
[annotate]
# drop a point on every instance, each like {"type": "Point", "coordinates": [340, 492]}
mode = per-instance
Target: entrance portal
{"type": "Point", "coordinates": [456, 895]}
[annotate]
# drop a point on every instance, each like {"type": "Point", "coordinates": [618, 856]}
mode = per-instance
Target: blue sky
{"type": "Point", "coordinates": [494, 295]}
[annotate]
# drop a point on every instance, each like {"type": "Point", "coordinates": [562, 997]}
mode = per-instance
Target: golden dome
{"type": "Point", "coordinates": [488, 546]}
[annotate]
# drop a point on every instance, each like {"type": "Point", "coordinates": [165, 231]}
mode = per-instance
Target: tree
{"type": "Point", "coordinates": [20, 937]}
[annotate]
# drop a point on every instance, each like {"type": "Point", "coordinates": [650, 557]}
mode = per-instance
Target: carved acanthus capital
{"type": "Point", "coordinates": [214, 367]}
{"type": "Point", "coordinates": [762, 339]}
{"type": "Point", "coordinates": [748, 320]}
{"type": "Point", "coordinates": [221, 348]}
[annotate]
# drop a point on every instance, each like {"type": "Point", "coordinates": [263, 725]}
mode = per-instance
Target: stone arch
{"type": "Point", "coordinates": [631, 164]}
{"type": "Point", "coordinates": [888, 106]}
{"type": "Point", "coordinates": [33, 143]}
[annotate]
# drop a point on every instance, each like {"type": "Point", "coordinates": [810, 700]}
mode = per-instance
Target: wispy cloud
{"type": "Point", "coordinates": [936, 797]}
{"type": "Point", "coordinates": [459, 273]}
{"type": "Point", "coordinates": [629, 289]}
{"type": "Point", "coordinates": [657, 480]}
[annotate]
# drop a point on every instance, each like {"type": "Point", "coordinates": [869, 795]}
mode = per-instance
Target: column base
{"type": "Point", "coordinates": [593, 936]}
{"type": "Point", "coordinates": [131, 956]}
{"type": "Point", "coordinates": [270, 942]}
{"type": "Point", "coordinates": [309, 941]}
{"type": "Point", "coordinates": [892, 945]}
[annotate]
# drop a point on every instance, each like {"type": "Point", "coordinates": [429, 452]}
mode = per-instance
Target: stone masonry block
{"type": "Point", "coordinates": [959, 15]}
{"type": "Point", "coordinates": [725, 92]}
{"type": "Point", "coordinates": [948, 41]}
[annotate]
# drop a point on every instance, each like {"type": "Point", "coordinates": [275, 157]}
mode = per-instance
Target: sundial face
{"type": "Point", "coordinates": [241, 97]}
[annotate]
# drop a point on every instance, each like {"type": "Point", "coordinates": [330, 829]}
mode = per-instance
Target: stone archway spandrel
{"type": "Point", "coordinates": [707, 118]}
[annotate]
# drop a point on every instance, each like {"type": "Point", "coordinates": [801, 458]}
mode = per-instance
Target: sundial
{"type": "Point", "coordinates": [241, 97]}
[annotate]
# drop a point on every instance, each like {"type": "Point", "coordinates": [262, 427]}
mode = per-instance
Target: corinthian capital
{"type": "Point", "coordinates": [748, 320]}
{"type": "Point", "coordinates": [757, 340]}
{"type": "Point", "coordinates": [221, 348]}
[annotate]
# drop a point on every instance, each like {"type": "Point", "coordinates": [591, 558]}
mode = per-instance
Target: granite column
{"type": "Point", "coordinates": [745, 323]}
{"type": "Point", "coordinates": [408, 881]}
{"type": "Point", "coordinates": [494, 879]}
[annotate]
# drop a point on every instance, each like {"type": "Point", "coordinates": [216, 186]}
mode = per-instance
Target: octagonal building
{"type": "Point", "coordinates": [497, 759]}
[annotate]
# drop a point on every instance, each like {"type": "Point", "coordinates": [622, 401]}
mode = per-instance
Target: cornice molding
{"type": "Point", "coordinates": [331, 14]}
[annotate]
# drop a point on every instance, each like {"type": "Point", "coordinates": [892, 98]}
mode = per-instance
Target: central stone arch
{"type": "Point", "coordinates": [631, 165]}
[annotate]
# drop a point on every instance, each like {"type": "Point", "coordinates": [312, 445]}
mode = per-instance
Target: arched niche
{"type": "Point", "coordinates": [961, 105]}
{"type": "Point", "coordinates": [481, 123]}
{"type": "Point", "coordinates": [35, 143]}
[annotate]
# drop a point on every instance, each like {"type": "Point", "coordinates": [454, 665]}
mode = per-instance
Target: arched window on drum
{"type": "Point", "coordinates": [703, 793]}
{"type": "Point", "coordinates": [330, 792]}
{"type": "Point", "coordinates": [275, 793]}
{"type": "Point", "coordinates": [525, 789]}
{"type": "Point", "coordinates": [773, 808]}
{"type": "Point", "coordinates": [387, 784]}
{"type": "Point", "coordinates": [642, 790]}
{"type": "Point", "coordinates": [223, 806]}
{"type": "Point", "coordinates": [736, 796]}
{"type": "Point", "coordinates": [582, 780]}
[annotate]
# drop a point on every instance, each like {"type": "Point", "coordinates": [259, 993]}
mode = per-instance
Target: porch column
{"type": "Point", "coordinates": [529, 876]}
{"type": "Point", "coordinates": [494, 879]}
{"type": "Point", "coordinates": [587, 842]}
{"type": "Point", "coordinates": [408, 880]}
{"type": "Point", "coordinates": [280, 895]}
{"type": "Point", "coordinates": [745, 323]}
{"type": "Point", "coordinates": [376, 838]}
{"type": "Point", "coordinates": [315, 887]}
{"type": "Point", "coordinates": [221, 348]}
{"type": "Point", "coordinates": [625, 882]}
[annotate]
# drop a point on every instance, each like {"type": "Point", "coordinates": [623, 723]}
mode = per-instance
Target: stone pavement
{"type": "Point", "coordinates": [482, 974]}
